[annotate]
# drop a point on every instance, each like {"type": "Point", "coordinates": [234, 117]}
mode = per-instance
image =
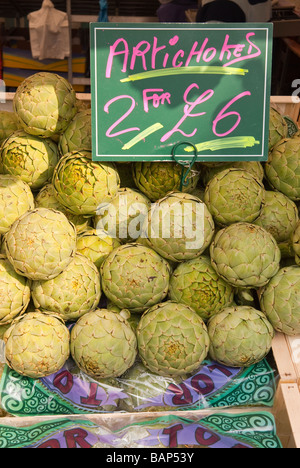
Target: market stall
{"type": "Point", "coordinates": [149, 267]}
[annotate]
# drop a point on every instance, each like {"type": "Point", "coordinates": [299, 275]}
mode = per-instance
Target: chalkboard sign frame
{"type": "Point", "coordinates": [223, 99]}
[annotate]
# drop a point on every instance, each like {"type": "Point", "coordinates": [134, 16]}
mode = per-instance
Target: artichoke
{"type": "Point", "coordinates": [41, 243]}
{"type": "Point", "coordinates": [46, 198]}
{"type": "Point", "coordinates": [279, 216]}
{"type": "Point", "coordinates": [45, 103]}
{"type": "Point", "coordinates": [14, 293]}
{"type": "Point", "coordinates": [234, 195]}
{"type": "Point", "coordinates": [196, 284]}
{"type": "Point", "coordinates": [172, 339]}
{"type": "Point", "coordinates": [78, 134]}
{"type": "Point", "coordinates": [103, 344]}
{"type": "Point", "coordinates": [72, 293]}
{"type": "Point", "coordinates": [296, 243]}
{"type": "Point", "coordinates": [31, 158]}
{"type": "Point", "coordinates": [37, 345]}
{"type": "Point", "coordinates": [278, 128]}
{"type": "Point", "coordinates": [16, 199]}
{"type": "Point", "coordinates": [280, 300]}
{"type": "Point", "coordinates": [282, 169]}
{"type": "Point", "coordinates": [254, 167]}
{"type": "Point", "coordinates": [135, 277]}
{"type": "Point", "coordinates": [245, 255]}
{"type": "Point", "coordinates": [124, 216]}
{"type": "Point", "coordinates": [239, 336]}
{"type": "Point", "coordinates": [96, 245]}
{"type": "Point", "coordinates": [9, 124]}
{"type": "Point", "coordinates": [179, 227]}
{"type": "Point", "coordinates": [156, 179]}
{"type": "Point", "coordinates": [81, 185]}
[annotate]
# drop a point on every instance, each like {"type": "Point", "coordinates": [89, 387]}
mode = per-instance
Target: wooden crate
{"type": "Point", "coordinates": [286, 350]}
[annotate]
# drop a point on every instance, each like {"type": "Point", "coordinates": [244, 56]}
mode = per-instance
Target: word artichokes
{"type": "Point", "coordinates": [16, 199]}
{"type": "Point", "coordinates": [179, 227]}
{"type": "Point", "coordinates": [81, 185]}
{"type": "Point", "coordinates": [280, 300]}
{"type": "Point", "coordinates": [239, 336]}
{"type": "Point", "coordinates": [196, 284]}
{"type": "Point", "coordinates": [37, 345]}
{"type": "Point", "coordinates": [41, 243]}
{"type": "Point", "coordinates": [172, 339]}
{"type": "Point", "coordinates": [245, 255]}
{"type": "Point", "coordinates": [135, 277]}
{"type": "Point", "coordinates": [31, 158]}
{"type": "Point", "coordinates": [103, 344]}
{"type": "Point", "coordinates": [156, 179]}
{"type": "Point", "coordinates": [45, 103]}
{"type": "Point", "coordinates": [14, 292]}
{"type": "Point", "coordinates": [234, 195]}
{"type": "Point", "coordinates": [72, 293]}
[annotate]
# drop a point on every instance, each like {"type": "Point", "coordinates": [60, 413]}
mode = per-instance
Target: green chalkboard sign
{"type": "Point", "coordinates": [157, 85]}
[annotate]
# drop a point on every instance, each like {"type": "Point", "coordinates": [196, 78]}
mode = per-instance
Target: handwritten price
{"type": "Point", "coordinates": [159, 97]}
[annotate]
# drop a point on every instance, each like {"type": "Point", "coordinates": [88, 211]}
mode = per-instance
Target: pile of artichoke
{"type": "Point", "coordinates": [113, 266]}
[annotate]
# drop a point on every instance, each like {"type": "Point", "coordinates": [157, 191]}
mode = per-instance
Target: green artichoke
{"type": "Point", "coordinates": [296, 243]}
{"type": "Point", "coordinates": [16, 199]}
{"type": "Point", "coordinates": [78, 134]}
{"type": "Point", "coordinates": [82, 185]}
{"type": "Point", "coordinates": [239, 336]}
{"type": "Point", "coordinates": [254, 167]}
{"type": "Point", "coordinates": [278, 128]}
{"type": "Point", "coordinates": [37, 345]}
{"type": "Point", "coordinates": [46, 198]}
{"type": "Point", "coordinates": [45, 103]}
{"type": "Point", "coordinates": [103, 344]}
{"type": "Point", "coordinates": [245, 255]}
{"type": "Point", "coordinates": [124, 216]}
{"type": "Point", "coordinates": [279, 216]}
{"type": "Point", "coordinates": [135, 277]}
{"type": "Point", "coordinates": [9, 124]}
{"type": "Point", "coordinates": [196, 284]}
{"type": "Point", "coordinates": [280, 300]}
{"type": "Point", "coordinates": [156, 179]}
{"type": "Point", "coordinates": [179, 227]}
{"type": "Point", "coordinates": [172, 339]}
{"type": "Point", "coordinates": [234, 195]}
{"type": "Point", "coordinates": [72, 293]}
{"type": "Point", "coordinates": [14, 293]}
{"type": "Point", "coordinates": [282, 169]}
{"type": "Point", "coordinates": [31, 158]}
{"type": "Point", "coordinates": [41, 243]}
{"type": "Point", "coordinates": [96, 245]}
